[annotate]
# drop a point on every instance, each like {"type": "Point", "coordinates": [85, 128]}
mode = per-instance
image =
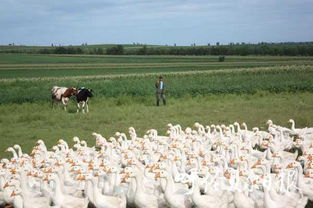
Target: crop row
{"type": "Point", "coordinates": [273, 79]}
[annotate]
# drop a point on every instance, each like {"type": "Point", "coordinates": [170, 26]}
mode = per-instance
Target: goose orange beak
{"type": "Point", "coordinates": [13, 194]}
{"type": "Point", "coordinates": [307, 175]}
{"type": "Point", "coordinates": [13, 171]}
{"type": "Point", "coordinates": [50, 170]}
{"type": "Point", "coordinates": [123, 180]}
{"type": "Point", "coordinates": [158, 175]}
{"type": "Point", "coordinates": [6, 185]}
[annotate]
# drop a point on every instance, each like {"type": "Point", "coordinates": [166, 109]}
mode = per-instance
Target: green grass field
{"type": "Point", "coordinates": [30, 65]}
{"type": "Point", "coordinates": [199, 88]}
{"type": "Point", "coordinates": [26, 123]}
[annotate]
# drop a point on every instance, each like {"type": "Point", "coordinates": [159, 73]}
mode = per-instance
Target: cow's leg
{"type": "Point", "coordinates": [78, 107]}
{"type": "Point", "coordinates": [63, 102]}
{"type": "Point", "coordinates": [84, 103]}
{"type": "Point", "coordinates": [65, 105]}
{"type": "Point", "coordinates": [87, 107]}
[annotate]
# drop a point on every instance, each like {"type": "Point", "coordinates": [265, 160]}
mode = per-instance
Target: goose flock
{"type": "Point", "coordinates": [204, 166]}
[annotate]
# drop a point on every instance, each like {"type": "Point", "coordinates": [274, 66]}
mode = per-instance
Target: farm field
{"type": "Point", "coordinates": [31, 66]}
{"type": "Point", "coordinates": [26, 123]}
{"type": "Point", "coordinates": [199, 88]}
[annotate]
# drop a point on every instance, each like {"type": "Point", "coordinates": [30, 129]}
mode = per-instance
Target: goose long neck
{"type": "Point", "coordinates": [265, 169]}
{"type": "Point", "coordinates": [89, 190]}
{"type": "Point", "coordinates": [300, 176]}
{"type": "Point", "coordinates": [95, 189]}
{"type": "Point", "coordinates": [245, 127]}
{"type": "Point", "coordinates": [57, 191]}
{"type": "Point", "coordinates": [139, 184]}
{"type": "Point", "coordinates": [169, 184]}
{"type": "Point", "coordinates": [238, 128]}
{"type": "Point", "coordinates": [61, 180]}
{"type": "Point", "coordinates": [268, 154]}
{"type": "Point", "coordinates": [24, 182]}
{"type": "Point", "coordinates": [195, 188]}
{"type": "Point", "coordinates": [2, 182]}
{"type": "Point", "coordinates": [267, 197]}
{"type": "Point", "coordinates": [223, 164]}
{"type": "Point", "coordinates": [293, 127]}
{"type": "Point", "coordinates": [19, 151]}
{"type": "Point", "coordinates": [18, 201]}
{"type": "Point", "coordinates": [14, 153]}
{"type": "Point", "coordinates": [174, 169]}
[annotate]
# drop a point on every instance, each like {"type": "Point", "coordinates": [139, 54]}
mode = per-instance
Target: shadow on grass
{"type": "Point", "coordinates": [72, 111]}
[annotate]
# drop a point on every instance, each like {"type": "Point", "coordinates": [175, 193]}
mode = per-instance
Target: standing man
{"type": "Point", "coordinates": [160, 91]}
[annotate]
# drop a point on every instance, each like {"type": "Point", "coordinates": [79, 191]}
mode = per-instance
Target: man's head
{"type": "Point", "coordinates": [160, 78]}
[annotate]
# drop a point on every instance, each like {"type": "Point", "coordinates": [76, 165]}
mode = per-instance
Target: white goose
{"type": "Point", "coordinates": [63, 200]}
{"type": "Point", "coordinates": [175, 198]}
{"type": "Point", "coordinates": [142, 198]}
{"type": "Point", "coordinates": [206, 201]}
{"type": "Point", "coordinates": [28, 202]}
{"type": "Point", "coordinates": [104, 201]}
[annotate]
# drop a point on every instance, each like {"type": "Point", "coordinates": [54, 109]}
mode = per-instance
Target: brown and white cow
{"type": "Point", "coordinates": [62, 94]}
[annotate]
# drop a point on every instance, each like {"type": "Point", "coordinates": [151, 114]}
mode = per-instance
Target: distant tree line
{"type": "Point", "coordinates": [274, 49]}
{"type": "Point", "coordinates": [115, 50]}
{"type": "Point", "coordinates": [242, 50]}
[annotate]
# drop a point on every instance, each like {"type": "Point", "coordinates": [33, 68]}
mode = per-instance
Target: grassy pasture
{"type": "Point", "coordinates": [199, 88]}
{"type": "Point", "coordinates": [26, 123]}
{"type": "Point", "coordinates": [273, 79]}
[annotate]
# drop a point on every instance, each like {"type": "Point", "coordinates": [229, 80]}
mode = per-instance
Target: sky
{"type": "Point", "coordinates": [160, 22]}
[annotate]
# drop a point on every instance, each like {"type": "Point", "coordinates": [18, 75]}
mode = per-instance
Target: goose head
{"type": "Point", "coordinates": [244, 125]}
{"type": "Point", "coordinates": [10, 149]}
{"type": "Point", "coordinates": [258, 163]}
{"type": "Point", "coordinates": [292, 165]}
{"type": "Point", "coordinates": [16, 146]}
{"type": "Point", "coordinates": [243, 173]}
{"type": "Point", "coordinates": [83, 143]}
{"type": "Point", "coordinates": [76, 139]}
{"type": "Point", "coordinates": [161, 174]}
{"type": "Point", "coordinates": [269, 122]}
{"type": "Point", "coordinates": [40, 142]}
{"type": "Point", "coordinates": [16, 191]}
{"type": "Point", "coordinates": [291, 121]}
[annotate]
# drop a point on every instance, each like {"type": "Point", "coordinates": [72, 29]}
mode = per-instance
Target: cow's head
{"type": "Point", "coordinates": [73, 91]}
{"type": "Point", "coordinates": [90, 91]}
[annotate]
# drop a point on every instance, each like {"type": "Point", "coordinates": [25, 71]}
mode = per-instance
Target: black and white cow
{"type": "Point", "coordinates": [82, 97]}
